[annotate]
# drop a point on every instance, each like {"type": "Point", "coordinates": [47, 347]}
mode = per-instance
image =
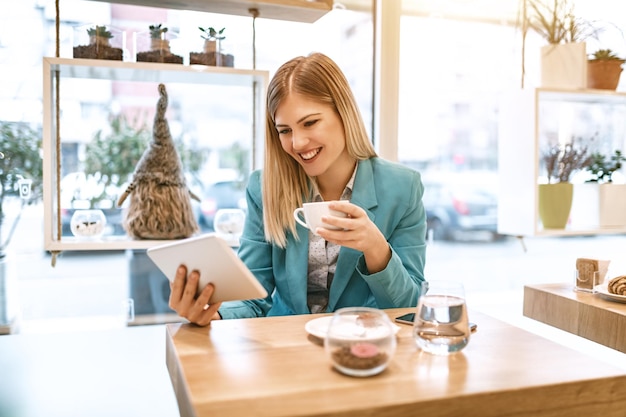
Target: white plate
{"type": "Point", "coordinates": [603, 290]}
{"type": "Point", "coordinates": [318, 327]}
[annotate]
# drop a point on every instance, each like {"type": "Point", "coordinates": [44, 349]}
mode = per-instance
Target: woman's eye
{"type": "Point", "coordinates": [283, 131]}
{"type": "Point", "coordinates": [310, 123]}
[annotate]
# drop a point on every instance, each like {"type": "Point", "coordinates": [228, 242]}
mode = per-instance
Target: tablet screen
{"type": "Point", "coordinates": [217, 262]}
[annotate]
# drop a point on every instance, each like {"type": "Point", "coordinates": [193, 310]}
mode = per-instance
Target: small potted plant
{"type": "Point", "coordinates": [158, 42]}
{"type": "Point", "coordinates": [99, 44]}
{"type": "Point", "coordinates": [604, 69]}
{"type": "Point", "coordinates": [555, 197]}
{"type": "Point", "coordinates": [602, 169]}
{"type": "Point", "coordinates": [213, 53]}
{"type": "Point", "coordinates": [600, 201]}
{"type": "Point", "coordinates": [100, 36]}
{"type": "Point", "coordinates": [212, 39]}
{"type": "Point", "coordinates": [155, 45]}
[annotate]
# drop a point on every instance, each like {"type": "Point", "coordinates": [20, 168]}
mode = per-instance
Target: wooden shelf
{"type": "Point", "coordinates": [582, 96]}
{"type": "Point", "coordinates": [305, 11]}
{"type": "Point", "coordinates": [101, 69]}
{"type": "Point", "coordinates": [71, 243]}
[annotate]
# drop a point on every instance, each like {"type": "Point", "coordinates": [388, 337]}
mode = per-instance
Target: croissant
{"type": "Point", "coordinates": [617, 285]}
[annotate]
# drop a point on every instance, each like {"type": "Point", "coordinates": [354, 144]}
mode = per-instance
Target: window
{"type": "Point", "coordinates": [208, 122]}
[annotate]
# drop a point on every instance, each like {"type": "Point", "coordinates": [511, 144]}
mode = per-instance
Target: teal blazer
{"type": "Point", "coordinates": [391, 195]}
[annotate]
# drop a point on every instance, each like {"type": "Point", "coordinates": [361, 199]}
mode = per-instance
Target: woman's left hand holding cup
{"type": "Point", "coordinates": [359, 233]}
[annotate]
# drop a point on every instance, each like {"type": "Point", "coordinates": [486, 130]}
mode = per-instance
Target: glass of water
{"type": "Point", "coordinates": [441, 325]}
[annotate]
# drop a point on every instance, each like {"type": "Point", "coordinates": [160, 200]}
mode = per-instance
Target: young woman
{"type": "Point", "coordinates": [317, 149]}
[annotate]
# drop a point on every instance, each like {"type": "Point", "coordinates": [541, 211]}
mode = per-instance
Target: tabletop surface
{"type": "Point", "coordinates": [584, 314]}
{"type": "Point", "coordinates": [272, 367]}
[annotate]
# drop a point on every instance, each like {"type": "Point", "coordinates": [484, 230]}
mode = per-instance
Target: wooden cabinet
{"type": "Point", "coordinates": [89, 73]}
{"type": "Point", "coordinates": [528, 120]}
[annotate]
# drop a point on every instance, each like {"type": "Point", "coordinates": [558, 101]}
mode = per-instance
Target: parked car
{"type": "Point", "coordinates": [221, 195]}
{"type": "Point", "coordinates": [455, 210]}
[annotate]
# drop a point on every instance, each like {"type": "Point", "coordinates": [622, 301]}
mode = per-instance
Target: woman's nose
{"type": "Point", "coordinates": [298, 140]}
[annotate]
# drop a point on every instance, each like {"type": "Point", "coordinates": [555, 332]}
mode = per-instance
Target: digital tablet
{"type": "Point", "coordinates": [217, 262]}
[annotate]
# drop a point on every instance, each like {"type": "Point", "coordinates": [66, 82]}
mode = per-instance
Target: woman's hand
{"type": "Point", "coordinates": [358, 232]}
{"type": "Point", "coordinates": [183, 298]}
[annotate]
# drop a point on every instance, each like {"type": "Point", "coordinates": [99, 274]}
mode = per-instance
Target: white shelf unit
{"type": "Point", "coordinates": [526, 118]}
{"type": "Point", "coordinates": [139, 73]}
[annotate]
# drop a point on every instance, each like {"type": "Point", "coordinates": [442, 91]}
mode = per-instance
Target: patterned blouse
{"type": "Point", "coordinates": [323, 260]}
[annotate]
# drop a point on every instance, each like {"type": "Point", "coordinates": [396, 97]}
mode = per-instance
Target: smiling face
{"type": "Point", "coordinates": [313, 134]}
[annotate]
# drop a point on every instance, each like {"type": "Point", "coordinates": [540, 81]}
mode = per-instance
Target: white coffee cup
{"type": "Point", "coordinates": [313, 213]}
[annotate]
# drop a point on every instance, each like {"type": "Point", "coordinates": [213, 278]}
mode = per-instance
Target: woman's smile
{"type": "Point", "coordinates": [309, 155]}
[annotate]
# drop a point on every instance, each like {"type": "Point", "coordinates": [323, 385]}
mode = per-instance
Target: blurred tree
{"type": "Point", "coordinates": [238, 158]}
{"type": "Point", "coordinates": [20, 158]}
{"type": "Point", "coordinates": [111, 158]}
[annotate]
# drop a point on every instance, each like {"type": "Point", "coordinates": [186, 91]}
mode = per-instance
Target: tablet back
{"type": "Point", "coordinates": [217, 262]}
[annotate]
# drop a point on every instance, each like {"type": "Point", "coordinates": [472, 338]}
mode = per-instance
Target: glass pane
{"type": "Point", "coordinates": [212, 124]}
{"type": "Point", "coordinates": [448, 117]}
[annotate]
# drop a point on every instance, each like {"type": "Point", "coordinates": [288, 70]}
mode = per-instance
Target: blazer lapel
{"type": "Point", "coordinates": [364, 196]}
{"type": "Point", "coordinates": [297, 264]}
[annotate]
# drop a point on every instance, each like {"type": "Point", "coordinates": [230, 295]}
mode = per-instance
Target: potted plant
{"type": "Point", "coordinates": [158, 42]}
{"type": "Point", "coordinates": [604, 69]}
{"type": "Point", "coordinates": [213, 53]}
{"type": "Point", "coordinates": [158, 48]}
{"type": "Point", "coordinates": [20, 182]}
{"type": "Point", "coordinates": [555, 197]}
{"type": "Point", "coordinates": [563, 59]}
{"type": "Point", "coordinates": [212, 39]}
{"type": "Point", "coordinates": [602, 169]}
{"type": "Point", "coordinates": [99, 45]}
{"type": "Point", "coordinates": [600, 201]}
{"type": "Point", "coordinates": [99, 36]}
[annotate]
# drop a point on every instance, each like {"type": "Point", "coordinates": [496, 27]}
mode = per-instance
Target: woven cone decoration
{"type": "Point", "coordinates": [160, 202]}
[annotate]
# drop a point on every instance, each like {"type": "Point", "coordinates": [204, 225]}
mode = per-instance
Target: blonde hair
{"type": "Point", "coordinates": [285, 185]}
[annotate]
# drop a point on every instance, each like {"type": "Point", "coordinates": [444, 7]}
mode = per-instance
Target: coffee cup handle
{"type": "Point", "coordinates": [296, 215]}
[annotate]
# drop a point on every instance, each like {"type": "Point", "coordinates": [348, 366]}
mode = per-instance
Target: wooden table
{"type": "Point", "coordinates": [271, 367]}
{"type": "Point", "coordinates": [583, 314]}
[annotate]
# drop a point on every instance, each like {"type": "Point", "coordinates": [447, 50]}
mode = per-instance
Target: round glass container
{"type": "Point", "coordinates": [88, 224]}
{"type": "Point", "coordinates": [360, 341]}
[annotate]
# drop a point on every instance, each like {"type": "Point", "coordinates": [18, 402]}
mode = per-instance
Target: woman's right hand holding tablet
{"type": "Point", "coordinates": [183, 298]}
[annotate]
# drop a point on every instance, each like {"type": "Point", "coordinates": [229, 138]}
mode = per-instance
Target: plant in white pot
{"type": "Point", "coordinates": [555, 197]}
{"type": "Point", "coordinates": [564, 59]}
{"type": "Point", "coordinates": [600, 202]}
